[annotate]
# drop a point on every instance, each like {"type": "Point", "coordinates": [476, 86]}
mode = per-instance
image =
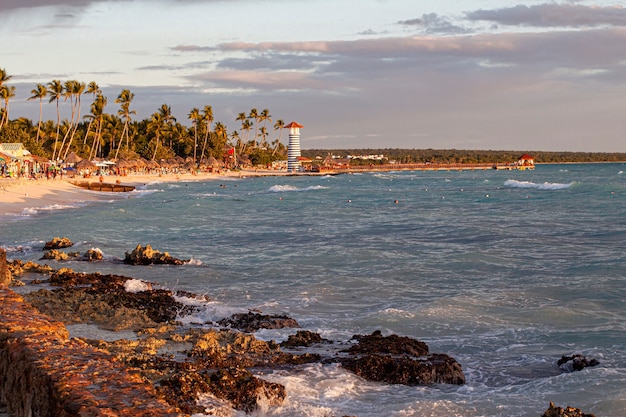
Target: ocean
{"type": "Point", "coordinates": [505, 271]}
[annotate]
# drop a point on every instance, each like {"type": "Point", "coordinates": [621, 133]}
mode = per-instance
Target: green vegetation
{"type": "Point", "coordinates": [115, 135]}
{"type": "Point", "coordinates": [456, 156]}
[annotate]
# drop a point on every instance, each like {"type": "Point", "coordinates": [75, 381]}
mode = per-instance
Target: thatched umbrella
{"type": "Point", "coordinates": [72, 158]}
{"type": "Point", "coordinates": [85, 164]}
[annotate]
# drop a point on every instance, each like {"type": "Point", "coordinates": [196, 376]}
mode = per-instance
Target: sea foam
{"type": "Point", "coordinates": [544, 186]}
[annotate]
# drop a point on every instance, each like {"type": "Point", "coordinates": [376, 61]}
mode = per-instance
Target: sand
{"type": "Point", "coordinates": [19, 196]}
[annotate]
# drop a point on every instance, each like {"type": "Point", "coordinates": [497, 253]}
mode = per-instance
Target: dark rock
{"type": "Point", "coordinates": [58, 243]}
{"type": "Point", "coordinates": [93, 255]}
{"type": "Point", "coordinates": [576, 362]}
{"type": "Point", "coordinates": [400, 360]}
{"type": "Point", "coordinates": [149, 256]}
{"type": "Point", "coordinates": [303, 338]}
{"type": "Point", "coordinates": [251, 322]}
{"type": "Point", "coordinates": [554, 411]}
{"type": "Point", "coordinates": [392, 344]}
{"type": "Point", "coordinates": [434, 369]}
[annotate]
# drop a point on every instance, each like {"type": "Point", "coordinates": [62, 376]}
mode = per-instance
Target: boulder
{"type": "Point", "coordinates": [400, 360]}
{"type": "Point", "coordinates": [93, 254]}
{"type": "Point", "coordinates": [303, 338]}
{"type": "Point", "coordinates": [554, 411]}
{"type": "Point", "coordinates": [149, 256]}
{"type": "Point", "coordinates": [575, 362]}
{"type": "Point", "coordinates": [251, 322]}
{"type": "Point", "coordinates": [55, 255]}
{"type": "Point", "coordinates": [58, 243]}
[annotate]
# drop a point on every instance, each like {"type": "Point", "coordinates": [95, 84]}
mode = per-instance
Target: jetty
{"type": "Point", "coordinates": [103, 186]}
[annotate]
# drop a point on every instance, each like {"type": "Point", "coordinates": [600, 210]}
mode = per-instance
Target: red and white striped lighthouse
{"type": "Point", "coordinates": [293, 150]}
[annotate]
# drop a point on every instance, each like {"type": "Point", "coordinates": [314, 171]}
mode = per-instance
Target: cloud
{"type": "Point", "coordinates": [434, 23]}
{"type": "Point", "coordinates": [553, 15]}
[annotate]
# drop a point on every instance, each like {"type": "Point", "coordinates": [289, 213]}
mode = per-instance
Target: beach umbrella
{"type": "Point", "coordinates": [72, 158]}
{"type": "Point", "coordinates": [85, 164]}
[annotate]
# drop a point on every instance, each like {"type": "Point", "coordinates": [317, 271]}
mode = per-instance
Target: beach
{"type": "Point", "coordinates": [22, 194]}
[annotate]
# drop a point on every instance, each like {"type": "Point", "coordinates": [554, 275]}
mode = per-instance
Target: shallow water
{"type": "Point", "coordinates": [504, 270]}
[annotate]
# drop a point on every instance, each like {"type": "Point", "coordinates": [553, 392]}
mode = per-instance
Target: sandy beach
{"type": "Point", "coordinates": [20, 195]}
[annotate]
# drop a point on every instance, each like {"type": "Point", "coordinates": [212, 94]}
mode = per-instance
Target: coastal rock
{"type": "Point", "coordinates": [93, 254]}
{"type": "Point", "coordinates": [400, 360]}
{"type": "Point", "coordinates": [303, 338]}
{"type": "Point", "coordinates": [58, 243]}
{"type": "Point", "coordinates": [5, 275]}
{"type": "Point", "coordinates": [19, 268]}
{"type": "Point", "coordinates": [554, 411]}
{"type": "Point", "coordinates": [149, 256]}
{"type": "Point", "coordinates": [55, 255]}
{"type": "Point", "coordinates": [45, 373]}
{"type": "Point", "coordinates": [104, 300]}
{"type": "Point", "coordinates": [251, 322]}
{"type": "Point", "coordinates": [576, 362]}
{"type": "Point", "coordinates": [238, 386]}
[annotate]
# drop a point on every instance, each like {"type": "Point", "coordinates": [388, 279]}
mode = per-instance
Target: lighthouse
{"type": "Point", "coordinates": [293, 151]}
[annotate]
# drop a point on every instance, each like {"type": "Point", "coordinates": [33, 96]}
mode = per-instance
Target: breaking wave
{"type": "Point", "coordinates": [544, 186]}
{"type": "Point", "coordinates": [289, 188]}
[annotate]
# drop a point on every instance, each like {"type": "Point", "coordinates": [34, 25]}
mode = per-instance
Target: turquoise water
{"type": "Point", "coordinates": [504, 270]}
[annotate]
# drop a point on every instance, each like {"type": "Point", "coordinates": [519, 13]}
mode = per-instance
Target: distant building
{"type": "Point", "coordinates": [293, 150]}
{"type": "Point", "coordinates": [526, 161]}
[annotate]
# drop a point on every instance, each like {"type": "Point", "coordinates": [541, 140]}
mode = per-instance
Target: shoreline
{"type": "Point", "coordinates": [18, 196]}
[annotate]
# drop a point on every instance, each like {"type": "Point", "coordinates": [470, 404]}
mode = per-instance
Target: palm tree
{"type": "Point", "coordinates": [124, 99]}
{"type": "Point", "coordinates": [94, 90]}
{"type": "Point", "coordinates": [156, 126]}
{"type": "Point", "coordinates": [254, 114]}
{"type": "Point", "coordinates": [195, 117]}
{"type": "Point", "coordinates": [39, 93]}
{"type": "Point", "coordinates": [97, 117]}
{"type": "Point", "coordinates": [55, 91]}
{"type": "Point", "coordinates": [6, 93]}
{"type": "Point", "coordinates": [279, 125]}
{"type": "Point", "coordinates": [247, 126]}
{"type": "Point", "coordinates": [4, 77]}
{"type": "Point", "coordinates": [265, 116]}
{"type": "Point", "coordinates": [207, 116]}
{"type": "Point", "coordinates": [77, 91]}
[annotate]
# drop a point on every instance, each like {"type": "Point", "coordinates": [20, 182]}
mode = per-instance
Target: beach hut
{"type": "Point", "coordinates": [526, 161]}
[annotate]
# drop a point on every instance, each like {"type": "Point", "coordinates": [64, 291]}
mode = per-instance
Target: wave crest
{"type": "Point", "coordinates": [289, 188]}
{"type": "Point", "coordinates": [544, 186]}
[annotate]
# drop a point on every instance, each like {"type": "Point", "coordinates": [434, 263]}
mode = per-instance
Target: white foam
{"type": "Point", "coordinates": [544, 186]}
{"type": "Point", "coordinates": [136, 285]}
{"type": "Point", "coordinates": [290, 188]}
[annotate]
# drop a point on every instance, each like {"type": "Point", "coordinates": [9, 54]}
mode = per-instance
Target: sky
{"type": "Point", "coordinates": [464, 74]}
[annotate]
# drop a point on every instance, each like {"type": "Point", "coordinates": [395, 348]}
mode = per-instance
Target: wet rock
{"type": "Point", "coordinates": [103, 300]}
{"type": "Point", "coordinates": [576, 362]}
{"type": "Point", "coordinates": [554, 411]}
{"type": "Point", "coordinates": [392, 344]}
{"type": "Point", "coordinates": [251, 322]}
{"type": "Point", "coordinates": [19, 268]}
{"type": "Point", "coordinates": [303, 338]}
{"type": "Point", "coordinates": [58, 243]}
{"type": "Point", "coordinates": [55, 255]}
{"type": "Point", "coordinates": [400, 360]}
{"type": "Point", "coordinates": [92, 255]}
{"type": "Point", "coordinates": [149, 256]}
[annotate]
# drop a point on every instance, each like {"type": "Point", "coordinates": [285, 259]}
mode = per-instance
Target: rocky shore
{"type": "Point", "coordinates": [168, 368]}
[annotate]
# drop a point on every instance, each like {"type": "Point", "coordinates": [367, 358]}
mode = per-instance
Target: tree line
{"type": "Point", "coordinates": [99, 133]}
{"type": "Point", "coordinates": [458, 156]}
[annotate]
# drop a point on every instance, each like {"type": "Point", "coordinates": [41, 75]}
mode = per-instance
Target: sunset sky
{"type": "Point", "coordinates": [481, 74]}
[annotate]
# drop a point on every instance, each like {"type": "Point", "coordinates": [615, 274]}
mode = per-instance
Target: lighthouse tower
{"type": "Point", "coordinates": [293, 151]}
